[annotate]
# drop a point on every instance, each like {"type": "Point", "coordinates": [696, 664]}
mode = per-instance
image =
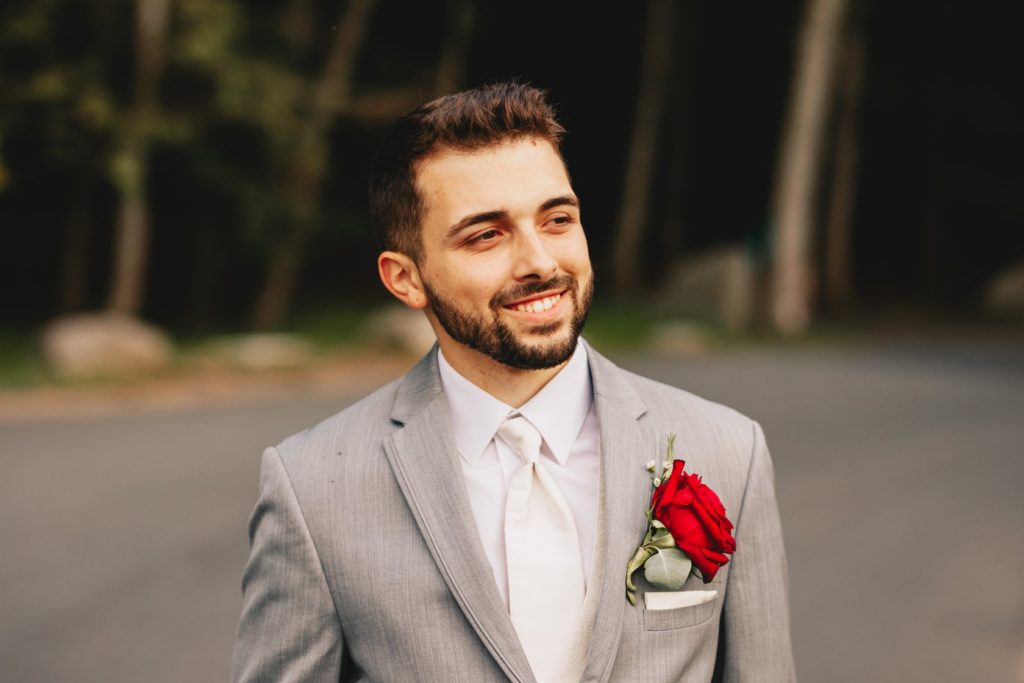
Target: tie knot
{"type": "Point", "coordinates": [522, 437]}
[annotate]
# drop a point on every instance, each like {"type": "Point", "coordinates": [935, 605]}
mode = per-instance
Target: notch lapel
{"type": "Point", "coordinates": [625, 491]}
{"type": "Point", "coordinates": [425, 461]}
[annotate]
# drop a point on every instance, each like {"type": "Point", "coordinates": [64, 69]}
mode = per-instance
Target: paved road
{"type": "Point", "coordinates": [899, 471]}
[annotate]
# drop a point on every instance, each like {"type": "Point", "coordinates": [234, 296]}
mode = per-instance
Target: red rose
{"type": "Point", "coordinates": [695, 517]}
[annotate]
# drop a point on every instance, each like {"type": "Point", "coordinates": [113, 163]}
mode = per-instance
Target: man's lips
{"type": "Point", "coordinates": [547, 299]}
{"type": "Point", "coordinates": [538, 303]}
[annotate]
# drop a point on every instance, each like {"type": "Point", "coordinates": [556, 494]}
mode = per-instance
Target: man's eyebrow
{"type": "Point", "coordinates": [473, 219]}
{"type": "Point", "coordinates": [564, 200]}
{"type": "Point", "coordinates": [486, 216]}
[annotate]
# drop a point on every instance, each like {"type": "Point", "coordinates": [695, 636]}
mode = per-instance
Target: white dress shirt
{"type": "Point", "coordinates": [563, 413]}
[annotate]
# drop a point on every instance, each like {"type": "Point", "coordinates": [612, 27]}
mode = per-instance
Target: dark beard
{"type": "Point", "coordinates": [494, 338]}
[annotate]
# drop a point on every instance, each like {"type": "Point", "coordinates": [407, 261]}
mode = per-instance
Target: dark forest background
{"type": "Point", "coordinates": [201, 164]}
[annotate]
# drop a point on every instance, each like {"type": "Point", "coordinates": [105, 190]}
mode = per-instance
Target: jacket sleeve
{"type": "Point", "coordinates": [755, 639]}
{"type": "Point", "coordinates": [289, 628]}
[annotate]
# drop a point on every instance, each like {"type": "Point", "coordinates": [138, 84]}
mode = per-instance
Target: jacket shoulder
{"type": "Point", "coordinates": [696, 419]}
{"type": "Point", "coordinates": [667, 400]}
{"type": "Point", "coordinates": [356, 428]}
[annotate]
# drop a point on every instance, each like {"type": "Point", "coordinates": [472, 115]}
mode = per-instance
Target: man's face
{"type": "Point", "coordinates": [505, 265]}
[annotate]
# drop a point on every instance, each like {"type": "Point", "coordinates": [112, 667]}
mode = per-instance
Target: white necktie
{"type": "Point", "coordinates": [545, 568]}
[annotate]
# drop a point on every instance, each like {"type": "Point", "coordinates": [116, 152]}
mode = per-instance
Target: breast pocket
{"type": "Point", "coordinates": [681, 617]}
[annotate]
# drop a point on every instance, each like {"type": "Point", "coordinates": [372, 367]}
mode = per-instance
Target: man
{"type": "Point", "coordinates": [473, 520]}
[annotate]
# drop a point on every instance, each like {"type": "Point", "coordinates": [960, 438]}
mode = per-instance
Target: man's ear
{"type": "Point", "coordinates": [400, 275]}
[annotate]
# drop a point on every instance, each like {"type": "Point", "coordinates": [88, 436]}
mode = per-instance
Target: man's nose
{"type": "Point", "coordinates": [533, 260]}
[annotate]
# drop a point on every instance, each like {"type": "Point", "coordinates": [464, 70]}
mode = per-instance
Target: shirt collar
{"type": "Point", "coordinates": [557, 410]}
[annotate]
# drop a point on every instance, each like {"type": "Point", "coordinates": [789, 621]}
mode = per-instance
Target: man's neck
{"type": "Point", "coordinates": [507, 384]}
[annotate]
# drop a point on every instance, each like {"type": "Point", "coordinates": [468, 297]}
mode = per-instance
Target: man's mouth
{"type": "Point", "coordinates": [538, 303]}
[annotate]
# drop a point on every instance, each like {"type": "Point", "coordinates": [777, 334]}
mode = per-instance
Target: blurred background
{"type": "Point", "coordinates": [809, 210]}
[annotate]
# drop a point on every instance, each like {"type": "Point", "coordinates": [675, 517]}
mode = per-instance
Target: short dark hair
{"type": "Point", "coordinates": [464, 121]}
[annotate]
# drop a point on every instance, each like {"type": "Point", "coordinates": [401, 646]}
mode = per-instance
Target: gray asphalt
{"type": "Point", "coordinates": [899, 467]}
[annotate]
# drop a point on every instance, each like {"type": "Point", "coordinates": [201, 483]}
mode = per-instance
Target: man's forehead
{"type": "Point", "coordinates": [536, 164]}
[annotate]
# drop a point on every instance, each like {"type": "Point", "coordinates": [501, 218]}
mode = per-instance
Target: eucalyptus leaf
{"type": "Point", "coordinates": [663, 539]}
{"type": "Point", "coordinates": [668, 568]}
{"type": "Point", "coordinates": [639, 558]}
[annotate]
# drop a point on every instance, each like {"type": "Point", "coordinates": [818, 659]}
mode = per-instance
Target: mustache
{"type": "Point", "coordinates": [527, 290]}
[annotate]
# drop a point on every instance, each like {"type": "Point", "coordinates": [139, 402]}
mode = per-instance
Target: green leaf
{"type": "Point", "coordinates": [668, 568]}
{"type": "Point", "coordinates": [639, 558]}
{"type": "Point", "coordinates": [657, 525]}
{"type": "Point", "coordinates": [662, 539]}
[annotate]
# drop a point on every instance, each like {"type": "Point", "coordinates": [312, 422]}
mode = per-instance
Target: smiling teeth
{"type": "Point", "coordinates": [539, 305]}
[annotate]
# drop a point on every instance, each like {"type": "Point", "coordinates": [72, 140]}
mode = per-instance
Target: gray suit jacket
{"type": "Point", "coordinates": [366, 563]}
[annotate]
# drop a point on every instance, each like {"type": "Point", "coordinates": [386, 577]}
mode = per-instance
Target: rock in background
{"type": "Point", "coordinates": [261, 351]}
{"type": "Point", "coordinates": [1005, 293]}
{"type": "Point", "coordinates": [717, 285]}
{"type": "Point", "coordinates": [103, 344]}
{"type": "Point", "coordinates": [398, 326]}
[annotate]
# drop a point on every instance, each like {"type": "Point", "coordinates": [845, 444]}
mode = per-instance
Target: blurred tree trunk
{"type": "Point", "coordinates": [643, 146]}
{"type": "Point", "coordinates": [75, 261]}
{"type": "Point", "coordinates": [309, 158]}
{"type": "Point", "coordinates": [838, 282]}
{"type": "Point", "coordinates": [207, 284]}
{"type": "Point", "coordinates": [793, 200]}
{"type": "Point", "coordinates": [451, 67]}
{"type": "Point", "coordinates": [130, 162]}
{"type": "Point", "coordinates": [333, 96]}
{"type": "Point", "coordinates": [92, 159]}
{"type": "Point", "coordinates": [384, 106]}
{"type": "Point", "coordinates": [680, 107]}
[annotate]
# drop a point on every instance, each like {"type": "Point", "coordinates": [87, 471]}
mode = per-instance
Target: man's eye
{"type": "Point", "coordinates": [482, 237]}
{"type": "Point", "coordinates": [562, 220]}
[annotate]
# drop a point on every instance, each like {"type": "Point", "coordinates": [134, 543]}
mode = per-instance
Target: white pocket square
{"type": "Point", "coordinates": [673, 599]}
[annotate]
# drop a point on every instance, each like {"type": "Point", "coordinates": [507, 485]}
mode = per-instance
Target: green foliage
{"type": "Point", "coordinates": [21, 364]}
{"type": "Point", "coordinates": [616, 327]}
{"type": "Point", "coordinates": [668, 568]}
{"type": "Point", "coordinates": [330, 328]}
{"type": "Point", "coordinates": [238, 137]}
{"type": "Point", "coordinates": [58, 89]}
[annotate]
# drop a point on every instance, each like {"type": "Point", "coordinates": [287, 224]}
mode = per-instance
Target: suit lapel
{"type": "Point", "coordinates": [625, 491]}
{"type": "Point", "coordinates": [424, 458]}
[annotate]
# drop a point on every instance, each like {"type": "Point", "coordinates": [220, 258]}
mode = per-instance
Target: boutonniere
{"type": "Point", "coordinates": [687, 530]}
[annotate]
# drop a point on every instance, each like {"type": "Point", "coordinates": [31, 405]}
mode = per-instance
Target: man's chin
{"type": "Point", "coordinates": [539, 354]}
{"type": "Point", "coordinates": [543, 336]}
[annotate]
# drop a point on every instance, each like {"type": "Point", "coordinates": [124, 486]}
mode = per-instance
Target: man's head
{"type": "Point", "coordinates": [476, 212]}
{"type": "Point", "coordinates": [466, 121]}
